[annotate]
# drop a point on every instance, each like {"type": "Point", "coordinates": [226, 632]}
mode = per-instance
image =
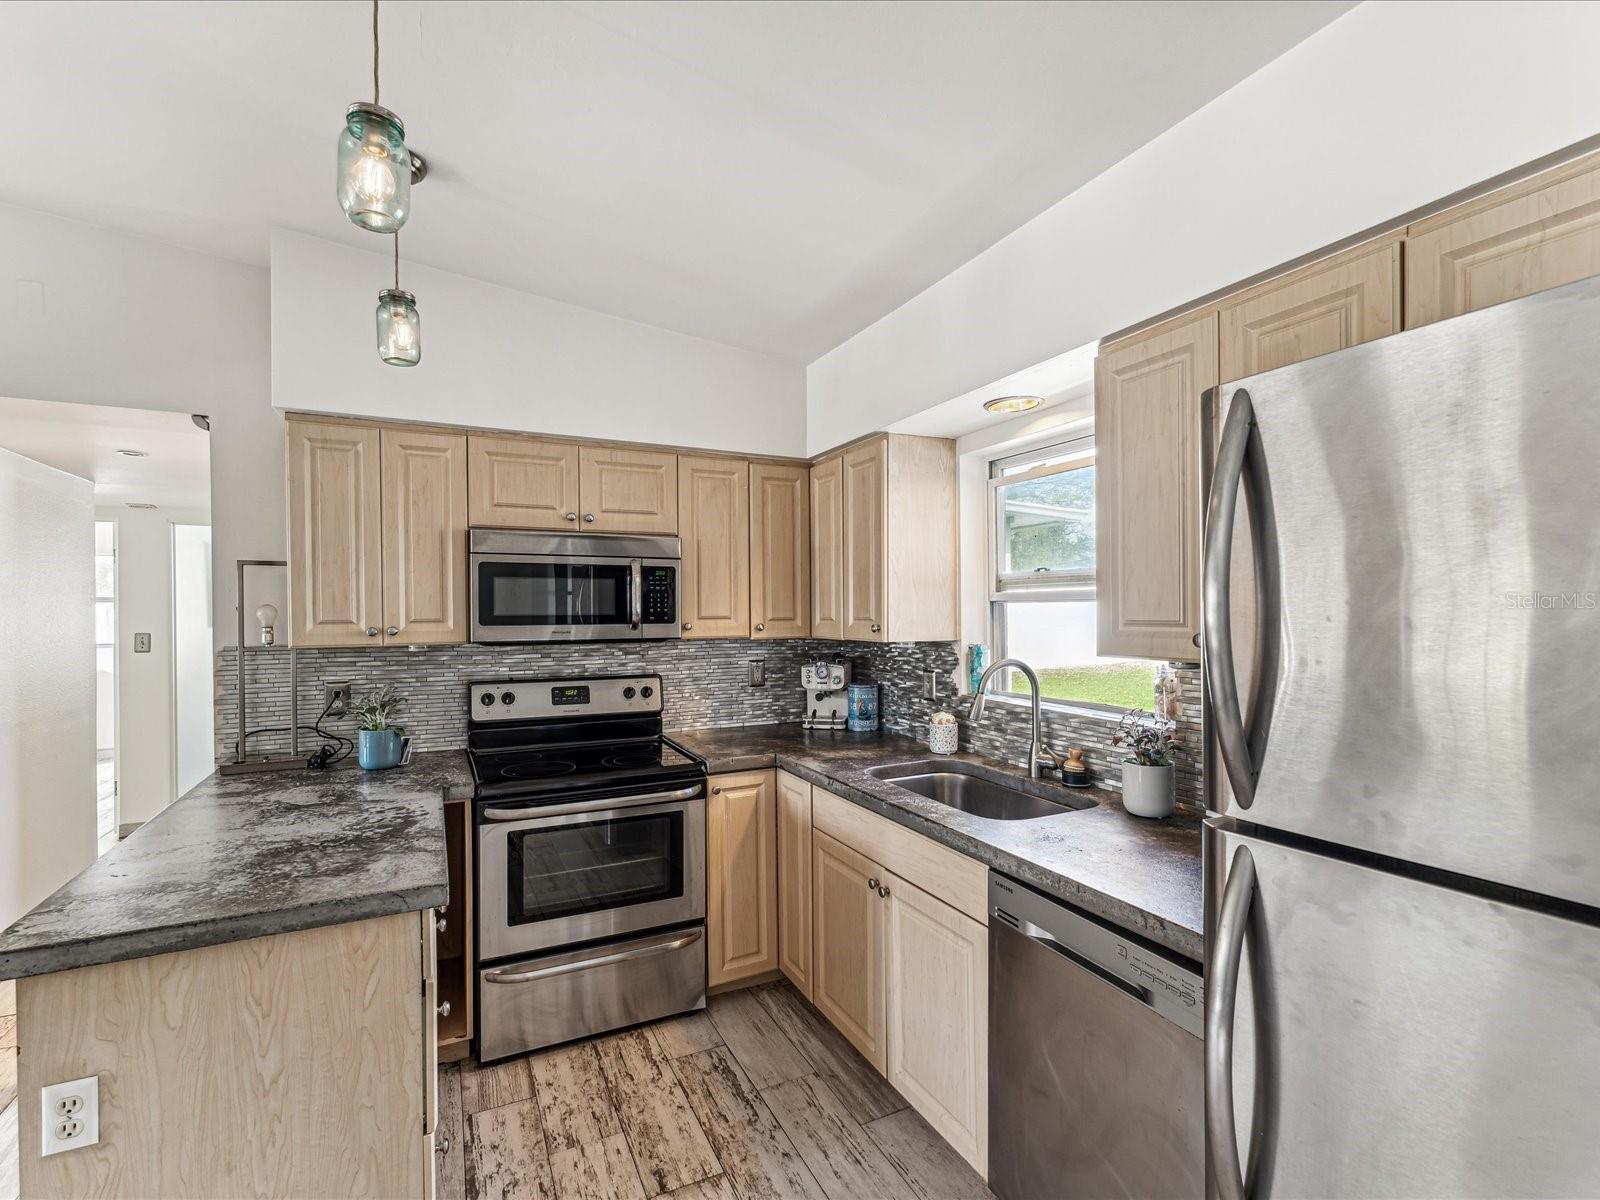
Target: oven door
{"type": "Point", "coordinates": [559, 874]}
{"type": "Point", "coordinates": [544, 598]}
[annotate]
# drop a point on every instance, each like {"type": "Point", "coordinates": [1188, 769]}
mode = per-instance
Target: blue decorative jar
{"type": "Point", "coordinates": [863, 711]}
{"type": "Point", "coordinates": [378, 749]}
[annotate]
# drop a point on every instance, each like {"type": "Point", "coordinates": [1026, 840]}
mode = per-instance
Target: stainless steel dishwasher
{"type": "Point", "coordinates": [1096, 1082]}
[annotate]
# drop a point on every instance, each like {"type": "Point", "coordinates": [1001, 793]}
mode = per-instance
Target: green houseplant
{"type": "Point", "coordinates": [1149, 747]}
{"type": "Point", "coordinates": [377, 739]}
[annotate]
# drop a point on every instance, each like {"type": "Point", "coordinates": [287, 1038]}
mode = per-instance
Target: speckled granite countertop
{"type": "Point", "coordinates": [241, 856]}
{"type": "Point", "coordinates": [1141, 875]}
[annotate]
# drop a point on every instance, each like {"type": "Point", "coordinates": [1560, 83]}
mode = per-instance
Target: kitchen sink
{"type": "Point", "coordinates": [974, 790]}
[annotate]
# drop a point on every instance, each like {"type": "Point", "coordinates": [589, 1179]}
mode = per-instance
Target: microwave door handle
{"type": "Point", "coordinates": [636, 594]}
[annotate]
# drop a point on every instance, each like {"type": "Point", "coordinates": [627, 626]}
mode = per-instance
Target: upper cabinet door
{"type": "Point", "coordinates": [780, 551]}
{"type": "Point", "coordinates": [714, 508]}
{"type": "Point", "coordinates": [1328, 306]}
{"type": "Point", "coordinates": [335, 539]}
{"type": "Point", "coordinates": [866, 473]}
{"type": "Point", "coordinates": [522, 483]}
{"type": "Point", "coordinates": [1534, 235]}
{"type": "Point", "coordinates": [827, 549]}
{"type": "Point", "coordinates": [627, 491]}
{"type": "Point", "coordinates": [424, 537]}
{"type": "Point", "coordinates": [1147, 489]}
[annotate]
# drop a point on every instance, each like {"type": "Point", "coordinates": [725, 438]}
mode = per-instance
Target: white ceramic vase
{"type": "Point", "coordinates": [1148, 791]}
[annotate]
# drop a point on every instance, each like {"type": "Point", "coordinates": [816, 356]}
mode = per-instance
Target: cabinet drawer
{"type": "Point", "coordinates": [944, 873]}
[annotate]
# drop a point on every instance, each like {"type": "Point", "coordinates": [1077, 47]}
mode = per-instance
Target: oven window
{"type": "Point", "coordinates": [564, 870]}
{"type": "Point", "coordinates": [521, 593]}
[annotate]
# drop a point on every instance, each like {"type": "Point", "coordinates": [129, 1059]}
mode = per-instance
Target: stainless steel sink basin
{"type": "Point", "coordinates": [972, 789]}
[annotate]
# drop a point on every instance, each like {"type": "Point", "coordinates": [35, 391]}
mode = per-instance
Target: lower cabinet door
{"type": "Point", "coordinates": [741, 877]}
{"type": "Point", "coordinates": [938, 1016]}
{"type": "Point", "coordinates": [847, 945]}
{"type": "Point", "coordinates": [794, 881]}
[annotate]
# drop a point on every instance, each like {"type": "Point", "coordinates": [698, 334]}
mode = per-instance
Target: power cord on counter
{"type": "Point", "coordinates": [336, 747]}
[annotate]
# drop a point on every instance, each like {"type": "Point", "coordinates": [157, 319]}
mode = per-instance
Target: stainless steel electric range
{"type": "Point", "coordinates": [591, 861]}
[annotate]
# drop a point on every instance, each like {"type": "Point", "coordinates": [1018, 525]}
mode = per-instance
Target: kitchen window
{"type": "Point", "coordinates": [1042, 569]}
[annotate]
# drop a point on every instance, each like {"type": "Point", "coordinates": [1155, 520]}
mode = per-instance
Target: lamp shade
{"type": "Point", "coordinates": [399, 329]}
{"type": "Point", "coordinates": [374, 169]}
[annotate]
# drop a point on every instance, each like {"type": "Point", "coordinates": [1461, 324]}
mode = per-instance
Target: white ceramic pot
{"type": "Point", "coordinates": [1148, 791]}
{"type": "Point", "coordinates": [943, 739]}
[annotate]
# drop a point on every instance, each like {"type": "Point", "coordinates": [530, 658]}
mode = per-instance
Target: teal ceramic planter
{"type": "Point", "coordinates": [378, 749]}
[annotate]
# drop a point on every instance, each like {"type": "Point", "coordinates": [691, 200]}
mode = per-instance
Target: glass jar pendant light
{"type": "Point", "coordinates": [376, 170]}
{"type": "Point", "coordinates": [399, 324]}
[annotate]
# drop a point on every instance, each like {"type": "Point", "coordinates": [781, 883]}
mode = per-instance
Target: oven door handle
{"type": "Point", "coordinates": [583, 806]}
{"type": "Point", "coordinates": [510, 975]}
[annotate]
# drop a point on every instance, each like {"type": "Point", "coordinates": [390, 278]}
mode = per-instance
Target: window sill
{"type": "Point", "coordinates": [1066, 708]}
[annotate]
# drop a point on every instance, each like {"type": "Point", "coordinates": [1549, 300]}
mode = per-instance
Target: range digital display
{"type": "Point", "coordinates": [569, 695]}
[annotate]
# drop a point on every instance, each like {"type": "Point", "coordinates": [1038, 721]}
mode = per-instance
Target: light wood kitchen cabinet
{"type": "Point", "coordinates": [1147, 488]}
{"type": "Point", "coordinates": [848, 984]}
{"type": "Point", "coordinates": [741, 876]}
{"type": "Point", "coordinates": [522, 483]}
{"type": "Point", "coordinates": [794, 881]}
{"type": "Point", "coordinates": [780, 550]}
{"type": "Point", "coordinates": [1533, 235]}
{"type": "Point", "coordinates": [827, 548]}
{"type": "Point", "coordinates": [714, 512]}
{"type": "Point", "coordinates": [335, 535]}
{"type": "Point", "coordinates": [1330, 305]}
{"type": "Point", "coordinates": [898, 540]}
{"type": "Point", "coordinates": [424, 496]}
{"type": "Point", "coordinates": [627, 491]}
{"type": "Point", "coordinates": [937, 964]}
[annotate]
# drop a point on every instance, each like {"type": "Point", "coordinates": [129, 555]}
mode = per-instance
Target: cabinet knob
{"type": "Point", "coordinates": [877, 628]}
{"type": "Point", "coordinates": [884, 892]}
{"type": "Point", "coordinates": [761, 628]}
{"type": "Point", "coordinates": [372, 631]}
{"type": "Point", "coordinates": [444, 1008]}
{"type": "Point", "coordinates": [440, 924]}
{"type": "Point", "coordinates": [393, 631]}
{"type": "Point", "coordinates": [572, 516]}
{"type": "Point", "coordinates": [688, 625]}
{"type": "Point", "coordinates": [716, 791]}
{"type": "Point", "coordinates": [588, 518]}
{"type": "Point", "coordinates": [872, 885]}
{"type": "Point", "coordinates": [1195, 639]}
{"type": "Point", "coordinates": [443, 1146]}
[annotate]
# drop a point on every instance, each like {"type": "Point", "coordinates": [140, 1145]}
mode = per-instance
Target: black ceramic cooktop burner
{"type": "Point", "coordinates": [560, 770]}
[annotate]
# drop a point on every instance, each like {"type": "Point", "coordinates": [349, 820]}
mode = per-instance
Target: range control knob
{"type": "Point", "coordinates": [628, 693]}
{"type": "Point", "coordinates": [486, 699]}
{"type": "Point", "coordinates": [647, 691]}
{"type": "Point", "coordinates": [508, 697]}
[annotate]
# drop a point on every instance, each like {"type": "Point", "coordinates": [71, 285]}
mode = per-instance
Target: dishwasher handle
{"type": "Point", "coordinates": [1041, 936]}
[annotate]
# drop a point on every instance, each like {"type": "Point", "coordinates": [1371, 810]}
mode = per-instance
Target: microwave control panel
{"type": "Point", "coordinates": [660, 600]}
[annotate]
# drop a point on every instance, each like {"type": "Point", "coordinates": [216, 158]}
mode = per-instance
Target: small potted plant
{"type": "Point", "coordinates": [1148, 748]}
{"type": "Point", "coordinates": [378, 741]}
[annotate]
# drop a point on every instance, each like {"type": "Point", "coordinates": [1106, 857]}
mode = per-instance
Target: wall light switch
{"type": "Point", "coordinates": [141, 643]}
{"type": "Point", "coordinates": [69, 1115]}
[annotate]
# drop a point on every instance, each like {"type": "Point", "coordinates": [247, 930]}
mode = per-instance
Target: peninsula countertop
{"type": "Point", "coordinates": [242, 856]}
{"type": "Point", "coordinates": [1142, 875]}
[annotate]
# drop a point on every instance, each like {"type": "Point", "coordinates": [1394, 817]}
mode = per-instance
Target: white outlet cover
{"type": "Point", "coordinates": [77, 1100]}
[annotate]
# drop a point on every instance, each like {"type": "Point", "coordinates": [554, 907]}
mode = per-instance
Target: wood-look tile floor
{"type": "Point", "coordinates": [757, 1098]}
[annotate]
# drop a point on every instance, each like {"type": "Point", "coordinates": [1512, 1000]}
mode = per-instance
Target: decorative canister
{"type": "Point", "coordinates": [943, 733]}
{"type": "Point", "coordinates": [977, 659]}
{"type": "Point", "coordinates": [863, 712]}
{"type": "Point", "coordinates": [1148, 791]}
{"type": "Point", "coordinates": [378, 749]}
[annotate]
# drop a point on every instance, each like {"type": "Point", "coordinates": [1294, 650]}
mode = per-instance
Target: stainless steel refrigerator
{"type": "Point", "coordinates": [1402, 659]}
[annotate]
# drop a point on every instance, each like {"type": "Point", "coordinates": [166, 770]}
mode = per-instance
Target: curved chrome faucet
{"type": "Point", "coordinates": [1038, 753]}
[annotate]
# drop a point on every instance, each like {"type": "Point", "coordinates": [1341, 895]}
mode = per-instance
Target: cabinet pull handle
{"type": "Point", "coordinates": [393, 631]}
{"type": "Point", "coordinates": [372, 631]}
{"type": "Point", "coordinates": [588, 518]}
{"type": "Point", "coordinates": [572, 516]}
{"type": "Point", "coordinates": [444, 1008]}
{"type": "Point", "coordinates": [872, 885]}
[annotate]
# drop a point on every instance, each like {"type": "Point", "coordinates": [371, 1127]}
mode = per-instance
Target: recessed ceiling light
{"type": "Point", "coordinates": [133, 454]}
{"type": "Point", "coordinates": [132, 504]}
{"type": "Point", "coordinates": [1012, 404]}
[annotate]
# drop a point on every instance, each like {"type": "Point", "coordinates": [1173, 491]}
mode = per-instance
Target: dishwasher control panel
{"type": "Point", "coordinates": [1164, 983]}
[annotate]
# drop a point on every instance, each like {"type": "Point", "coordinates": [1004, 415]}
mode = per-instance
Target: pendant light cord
{"type": "Point", "coordinates": [397, 262]}
{"type": "Point", "coordinates": [374, 53]}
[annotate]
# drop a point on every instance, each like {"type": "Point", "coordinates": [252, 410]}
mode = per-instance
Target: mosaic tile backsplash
{"type": "Point", "coordinates": [706, 683]}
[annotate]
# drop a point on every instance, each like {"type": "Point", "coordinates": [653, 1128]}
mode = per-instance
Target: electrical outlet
{"type": "Point", "coordinates": [336, 697]}
{"type": "Point", "coordinates": [758, 672]}
{"type": "Point", "coordinates": [69, 1115]}
{"type": "Point", "coordinates": [141, 643]}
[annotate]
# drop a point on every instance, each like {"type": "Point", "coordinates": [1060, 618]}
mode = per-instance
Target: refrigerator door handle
{"type": "Point", "coordinates": [1222, 988]}
{"type": "Point", "coordinates": [1241, 735]}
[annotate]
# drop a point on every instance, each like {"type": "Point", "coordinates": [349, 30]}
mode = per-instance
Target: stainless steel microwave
{"type": "Point", "coordinates": [573, 587]}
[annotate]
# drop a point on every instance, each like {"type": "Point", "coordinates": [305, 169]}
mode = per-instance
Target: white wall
{"type": "Point", "coordinates": [47, 683]}
{"type": "Point", "coordinates": [94, 316]}
{"type": "Point", "coordinates": [1388, 108]}
{"type": "Point", "coordinates": [193, 686]}
{"type": "Point", "coordinates": [505, 359]}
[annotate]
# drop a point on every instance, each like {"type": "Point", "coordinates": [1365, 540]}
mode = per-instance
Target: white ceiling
{"type": "Point", "coordinates": [775, 175]}
{"type": "Point", "coordinates": [83, 440]}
